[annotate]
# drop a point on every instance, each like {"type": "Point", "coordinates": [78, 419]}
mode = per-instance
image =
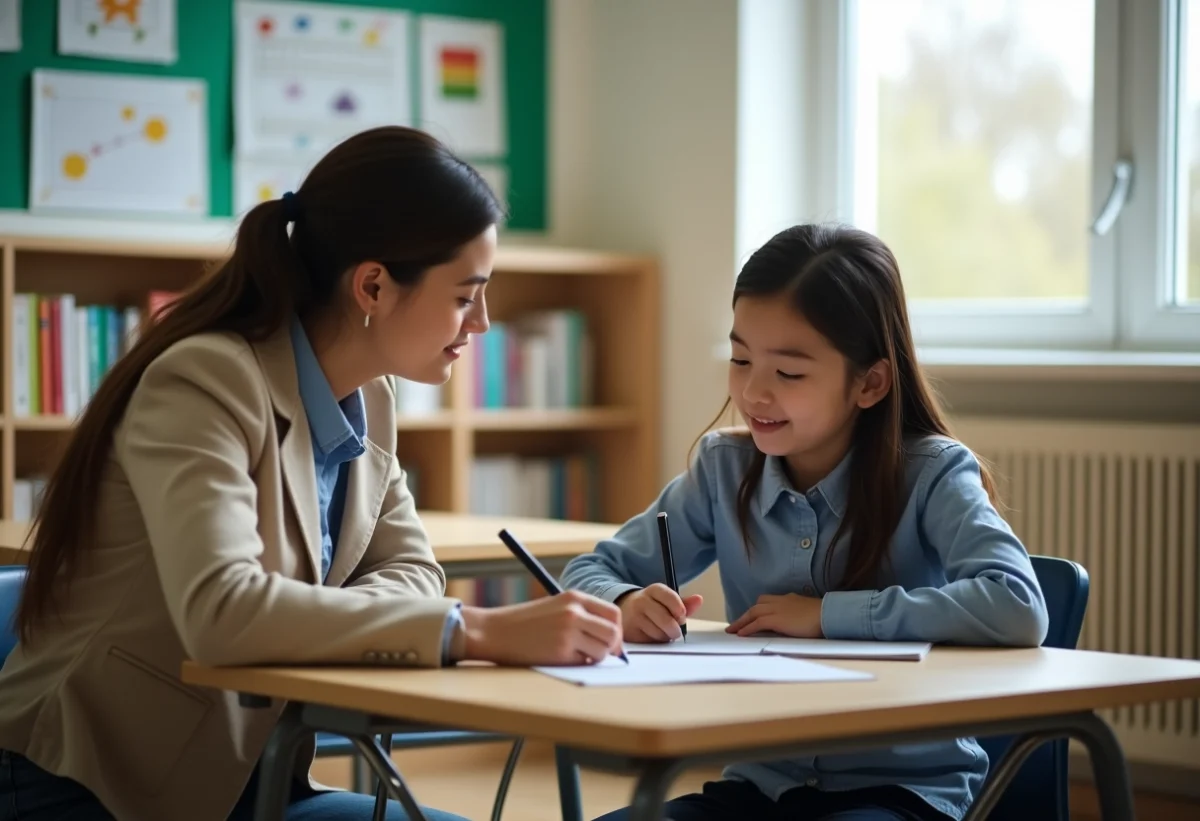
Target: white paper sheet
{"type": "Point", "coordinates": [141, 31]}
{"type": "Point", "coordinates": [705, 643]}
{"type": "Point", "coordinates": [462, 84]}
{"type": "Point", "coordinates": [830, 649]}
{"type": "Point", "coordinates": [653, 669]}
{"type": "Point", "coordinates": [726, 644]}
{"type": "Point", "coordinates": [308, 75]}
{"type": "Point", "coordinates": [119, 143]}
{"type": "Point", "coordinates": [10, 25]}
{"type": "Point", "coordinates": [496, 176]}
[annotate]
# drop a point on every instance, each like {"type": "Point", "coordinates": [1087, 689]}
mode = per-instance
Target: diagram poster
{"type": "Point", "coordinates": [257, 180]}
{"type": "Point", "coordinates": [116, 143]}
{"type": "Point", "coordinates": [309, 75]}
{"type": "Point", "coordinates": [135, 30]}
{"type": "Point", "coordinates": [462, 84]}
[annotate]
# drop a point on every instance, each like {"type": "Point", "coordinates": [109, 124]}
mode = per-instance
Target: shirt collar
{"type": "Point", "coordinates": [332, 423]}
{"type": "Point", "coordinates": [833, 488]}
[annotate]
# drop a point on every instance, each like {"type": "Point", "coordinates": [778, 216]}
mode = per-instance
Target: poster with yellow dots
{"type": "Point", "coordinates": [119, 145]}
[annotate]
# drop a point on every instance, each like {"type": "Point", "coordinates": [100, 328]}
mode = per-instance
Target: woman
{"type": "Point", "coordinates": [231, 495]}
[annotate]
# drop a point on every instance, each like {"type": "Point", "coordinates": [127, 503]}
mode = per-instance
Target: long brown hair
{"type": "Point", "coordinates": [846, 284]}
{"type": "Point", "coordinates": [390, 195]}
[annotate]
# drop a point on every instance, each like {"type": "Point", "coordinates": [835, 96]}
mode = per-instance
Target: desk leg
{"type": "Point", "coordinates": [276, 764]}
{"type": "Point", "coordinates": [650, 794]}
{"type": "Point", "coordinates": [1109, 767]}
{"type": "Point", "coordinates": [569, 795]}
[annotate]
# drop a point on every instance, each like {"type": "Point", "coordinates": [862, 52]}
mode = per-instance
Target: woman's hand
{"type": "Point", "coordinates": [653, 614]}
{"type": "Point", "coordinates": [790, 615]}
{"type": "Point", "coordinates": [569, 628]}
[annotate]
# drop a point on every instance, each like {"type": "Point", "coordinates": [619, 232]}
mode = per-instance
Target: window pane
{"type": "Point", "coordinates": [1187, 285]}
{"type": "Point", "coordinates": [973, 137]}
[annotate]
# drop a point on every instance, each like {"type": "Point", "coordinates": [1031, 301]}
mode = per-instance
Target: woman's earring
{"type": "Point", "coordinates": [367, 321]}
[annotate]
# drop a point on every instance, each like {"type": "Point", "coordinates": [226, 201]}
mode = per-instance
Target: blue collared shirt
{"type": "Point", "coordinates": [955, 574]}
{"type": "Point", "coordinates": [338, 431]}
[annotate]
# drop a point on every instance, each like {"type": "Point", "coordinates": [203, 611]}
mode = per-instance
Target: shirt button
{"type": "Point", "coordinates": [806, 543]}
{"type": "Point", "coordinates": [791, 498]}
{"type": "Point", "coordinates": [812, 782]}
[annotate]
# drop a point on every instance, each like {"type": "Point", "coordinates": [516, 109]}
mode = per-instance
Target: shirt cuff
{"type": "Point", "coordinates": [454, 637]}
{"type": "Point", "coordinates": [611, 594]}
{"type": "Point", "coordinates": [846, 614]}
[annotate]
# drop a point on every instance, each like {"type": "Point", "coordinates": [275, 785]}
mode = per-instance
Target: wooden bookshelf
{"type": "Point", "coordinates": [618, 294]}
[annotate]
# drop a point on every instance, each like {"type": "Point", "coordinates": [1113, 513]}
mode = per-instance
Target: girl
{"type": "Point", "coordinates": [846, 512]}
{"type": "Point", "coordinates": [231, 495]}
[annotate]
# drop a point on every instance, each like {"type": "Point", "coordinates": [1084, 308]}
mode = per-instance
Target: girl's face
{"type": "Point", "coordinates": [422, 330]}
{"type": "Point", "coordinates": [795, 391]}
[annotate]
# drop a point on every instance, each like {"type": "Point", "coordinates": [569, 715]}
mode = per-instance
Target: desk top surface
{"type": "Point", "coordinates": [951, 686]}
{"type": "Point", "coordinates": [455, 537]}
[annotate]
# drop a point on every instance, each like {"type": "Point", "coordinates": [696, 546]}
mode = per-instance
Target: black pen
{"type": "Point", "coordinates": [539, 572]}
{"type": "Point", "coordinates": [664, 541]}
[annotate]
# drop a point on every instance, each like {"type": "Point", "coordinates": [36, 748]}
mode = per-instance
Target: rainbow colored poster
{"type": "Point", "coordinates": [135, 30]}
{"type": "Point", "coordinates": [119, 144]}
{"type": "Point", "coordinates": [462, 84]}
{"type": "Point", "coordinates": [308, 75]}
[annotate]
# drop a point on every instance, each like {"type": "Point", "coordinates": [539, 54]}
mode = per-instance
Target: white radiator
{"type": "Point", "coordinates": [1122, 500]}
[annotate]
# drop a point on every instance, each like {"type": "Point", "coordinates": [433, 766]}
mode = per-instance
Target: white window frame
{"type": "Point", "coordinates": [1131, 267]}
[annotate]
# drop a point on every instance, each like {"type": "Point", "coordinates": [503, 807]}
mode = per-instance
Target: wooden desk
{"type": "Point", "coordinates": [466, 546]}
{"type": "Point", "coordinates": [659, 731]}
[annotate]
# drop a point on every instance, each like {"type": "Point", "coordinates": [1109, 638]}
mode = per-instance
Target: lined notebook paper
{"type": "Point", "coordinates": [672, 668]}
{"type": "Point", "coordinates": [726, 644]}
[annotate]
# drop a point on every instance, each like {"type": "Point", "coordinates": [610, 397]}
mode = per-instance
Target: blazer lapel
{"type": "Point", "coordinates": [278, 363]}
{"type": "Point", "coordinates": [365, 488]}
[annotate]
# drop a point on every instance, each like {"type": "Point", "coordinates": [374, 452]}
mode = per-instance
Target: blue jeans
{"type": "Point", "coordinates": [29, 793]}
{"type": "Point", "coordinates": [732, 800]}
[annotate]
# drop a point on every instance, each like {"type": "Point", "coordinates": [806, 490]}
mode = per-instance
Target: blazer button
{"type": "Point", "coordinates": [371, 656]}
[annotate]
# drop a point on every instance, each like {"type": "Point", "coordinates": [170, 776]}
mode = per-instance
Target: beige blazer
{"type": "Point", "coordinates": [209, 549]}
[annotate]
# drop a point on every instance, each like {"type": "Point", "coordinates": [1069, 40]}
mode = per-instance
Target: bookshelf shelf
{"type": "Point", "coordinates": [610, 438]}
{"type": "Point", "coordinates": [553, 419]}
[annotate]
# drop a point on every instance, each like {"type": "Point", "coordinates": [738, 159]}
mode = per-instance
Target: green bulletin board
{"type": "Point", "coordinates": [205, 31]}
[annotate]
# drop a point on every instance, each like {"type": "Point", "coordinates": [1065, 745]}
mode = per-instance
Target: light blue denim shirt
{"type": "Point", "coordinates": [338, 430]}
{"type": "Point", "coordinates": [955, 574]}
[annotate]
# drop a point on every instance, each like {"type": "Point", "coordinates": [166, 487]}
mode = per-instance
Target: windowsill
{"type": "Point", "coordinates": [1121, 366]}
{"type": "Point", "coordinates": [1058, 365]}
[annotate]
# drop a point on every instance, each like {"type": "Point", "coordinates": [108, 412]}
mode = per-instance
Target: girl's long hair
{"type": "Point", "coordinates": [846, 284]}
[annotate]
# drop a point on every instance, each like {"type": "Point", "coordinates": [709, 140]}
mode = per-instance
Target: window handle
{"type": "Point", "coordinates": [1118, 195]}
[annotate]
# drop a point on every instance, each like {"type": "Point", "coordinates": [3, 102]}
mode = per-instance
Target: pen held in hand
{"type": "Point", "coordinates": [538, 571]}
{"type": "Point", "coordinates": [668, 558]}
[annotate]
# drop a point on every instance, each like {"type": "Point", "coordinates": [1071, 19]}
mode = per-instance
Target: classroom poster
{"type": "Point", "coordinates": [133, 30]}
{"type": "Point", "coordinates": [10, 25]}
{"type": "Point", "coordinates": [308, 75]}
{"type": "Point", "coordinates": [117, 143]}
{"type": "Point", "coordinates": [462, 84]}
{"type": "Point", "coordinates": [257, 180]}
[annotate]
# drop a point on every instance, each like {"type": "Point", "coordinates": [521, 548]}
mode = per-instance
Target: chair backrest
{"type": "Point", "coordinates": [12, 579]}
{"type": "Point", "coordinates": [1040, 789]}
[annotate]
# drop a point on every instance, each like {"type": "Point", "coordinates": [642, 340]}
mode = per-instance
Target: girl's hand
{"type": "Point", "coordinates": [790, 615]}
{"type": "Point", "coordinates": [567, 629]}
{"type": "Point", "coordinates": [653, 614]}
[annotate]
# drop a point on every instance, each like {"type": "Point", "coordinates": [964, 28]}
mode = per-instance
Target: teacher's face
{"type": "Point", "coordinates": [427, 326]}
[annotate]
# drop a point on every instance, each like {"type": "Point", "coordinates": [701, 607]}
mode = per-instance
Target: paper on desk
{"type": "Point", "coordinates": [705, 643]}
{"type": "Point", "coordinates": [648, 669]}
{"type": "Point", "coordinates": [728, 644]}
{"type": "Point", "coordinates": [830, 649]}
